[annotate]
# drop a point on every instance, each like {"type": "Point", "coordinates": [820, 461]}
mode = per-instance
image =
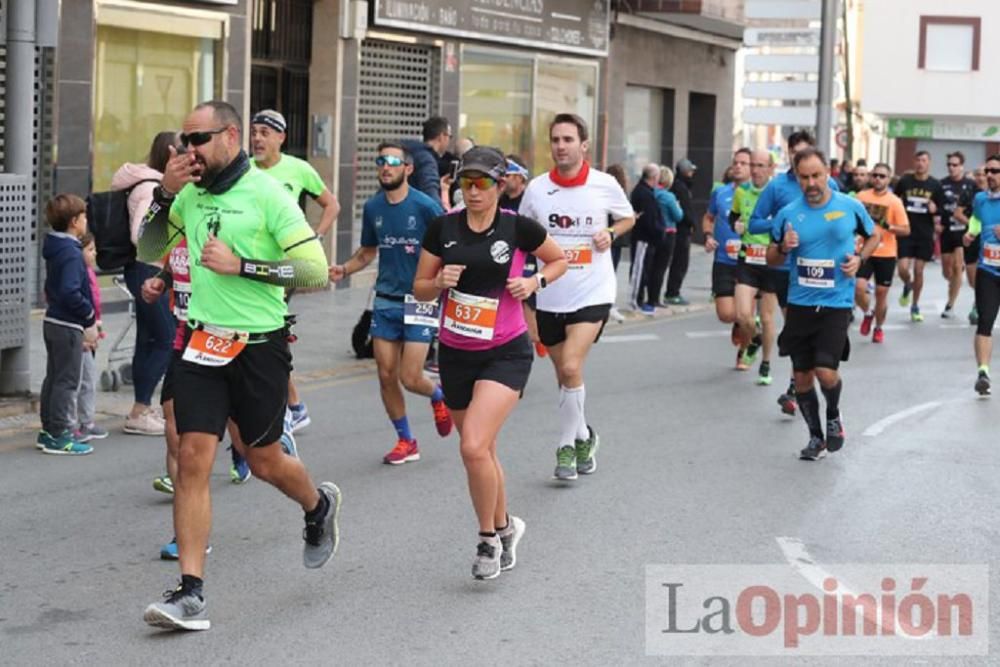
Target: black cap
{"type": "Point", "coordinates": [484, 159]}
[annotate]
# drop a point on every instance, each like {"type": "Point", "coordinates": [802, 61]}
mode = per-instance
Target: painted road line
{"type": "Point", "coordinates": [802, 562]}
{"type": "Point", "coordinates": [714, 333]}
{"type": "Point", "coordinates": [629, 338]}
{"type": "Point", "coordinates": [886, 422]}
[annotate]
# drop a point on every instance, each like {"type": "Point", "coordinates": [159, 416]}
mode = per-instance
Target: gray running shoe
{"type": "Point", "coordinates": [814, 451]}
{"type": "Point", "coordinates": [509, 540]}
{"type": "Point", "coordinates": [487, 563]}
{"type": "Point", "coordinates": [565, 463]}
{"type": "Point", "coordinates": [323, 536]}
{"type": "Point", "coordinates": [180, 611]}
{"type": "Point", "coordinates": [586, 453]}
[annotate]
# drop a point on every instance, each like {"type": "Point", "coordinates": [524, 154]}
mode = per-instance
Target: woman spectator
{"type": "Point", "coordinates": [154, 323]}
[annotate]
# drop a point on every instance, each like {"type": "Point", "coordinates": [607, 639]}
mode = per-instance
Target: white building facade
{"type": "Point", "coordinates": [927, 82]}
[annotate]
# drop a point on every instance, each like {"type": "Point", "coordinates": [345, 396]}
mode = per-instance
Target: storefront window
{"type": "Point", "coordinates": [509, 101]}
{"type": "Point", "coordinates": [145, 82]}
{"type": "Point", "coordinates": [643, 129]}
{"type": "Point", "coordinates": [496, 101]}
{"type": "Point", "coordinates": [562, 87]}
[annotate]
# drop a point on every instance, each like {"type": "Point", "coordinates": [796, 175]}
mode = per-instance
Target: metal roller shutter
{"type": "Point", "coordinates": [398, 91]}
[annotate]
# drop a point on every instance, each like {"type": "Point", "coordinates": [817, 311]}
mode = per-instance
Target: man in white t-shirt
{"type": "Point", "coordinates": [576, 203]}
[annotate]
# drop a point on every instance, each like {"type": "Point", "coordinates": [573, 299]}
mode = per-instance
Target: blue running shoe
{"type": "Point", "coordinates": [299, 418]}
{"type": "Point", "coordinates": [288, 444]}
{"type": "Point", "coordinates": [169, 550]}
{"type": "Point", "coordinates": [239, 472]}
{"type": "Point", "coordinates": [64, 445]}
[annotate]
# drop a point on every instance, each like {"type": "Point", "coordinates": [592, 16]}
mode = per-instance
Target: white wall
{"type": "Point", "coordinates": [893, 85]}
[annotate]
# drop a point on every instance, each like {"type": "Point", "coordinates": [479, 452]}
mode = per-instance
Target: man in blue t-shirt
{"type": "Point", "coordinates": [816, 235]}
{"type": "Point", "coordinates": [781, 191]}
{"type": "Point", "coordinates": [722, 239]}
{"type": "Point", "coordinates": [392, 228]}
{"type": "Point", "coordinates": [986, 224]}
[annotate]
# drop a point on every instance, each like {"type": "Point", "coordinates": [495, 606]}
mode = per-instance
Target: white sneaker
{"type": "Point", "coordinates": [147, 423]}
{"type": "Point", "coordinates": [616, 315]}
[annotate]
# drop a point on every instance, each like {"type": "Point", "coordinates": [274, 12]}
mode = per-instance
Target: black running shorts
{"type": "Point", "coordinates": [882, 268]}
{"type": "Point", "coordinates": [916, 247]}
{"type": "Point", "coordinates": [552, 326]}
{"type": "Point", "coordinates": [764, 278]}
{"type": "Point", "coordinates": [723, 279]}
{"type": "Point", "coordinates": [815, 337]}
{"type": "Point", "coordinates": [987, 301]}
{"type": "Point", "coordinates": [167, 391]}
{"type": "Point", "coordinates": [951, 241]}
{"type": "Point", "coordinates": [252, 390]}
{"type": "Point", "coordinates": [972, 252]}
{"type": "Point", "coordinates": [509, 364]}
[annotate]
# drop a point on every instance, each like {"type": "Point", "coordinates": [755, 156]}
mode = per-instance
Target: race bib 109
{"type": "Point", "coordinates": [817, 273]}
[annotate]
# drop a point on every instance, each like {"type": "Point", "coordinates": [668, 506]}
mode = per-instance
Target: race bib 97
{"type": "Point", "coordinates": [579, 256]}
{"type": "Point", "coordinates": [817, 273]}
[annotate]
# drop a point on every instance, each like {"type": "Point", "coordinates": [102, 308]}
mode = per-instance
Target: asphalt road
{"type": "Point", "coordinates": [696, 467]}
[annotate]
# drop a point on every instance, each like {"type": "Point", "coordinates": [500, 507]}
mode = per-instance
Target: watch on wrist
{"type": "Point", "coordinates": [611, 233]}
{"type": "Point", "coordinates": [542, 282]}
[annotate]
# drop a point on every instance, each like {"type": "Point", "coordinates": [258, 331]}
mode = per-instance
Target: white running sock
{"type": "Point", "coordinates": [571, 417]}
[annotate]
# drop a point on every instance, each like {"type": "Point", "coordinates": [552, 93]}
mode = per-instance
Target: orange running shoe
{"type": "Point", "coordinates": [403, 452]}
{"type": "Point", "coordinates": [442, 418]}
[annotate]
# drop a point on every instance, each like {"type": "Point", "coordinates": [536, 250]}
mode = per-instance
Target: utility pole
{"type": "Point", "coordinates": [824, 105]}
{"type": "Point", "coordinates": [849, 103]}
{"type": "Point", "coordinates": [19, 148]}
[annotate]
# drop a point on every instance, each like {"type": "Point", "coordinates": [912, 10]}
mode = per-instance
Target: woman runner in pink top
{"type": "Point", "coordinates": [473, 260]}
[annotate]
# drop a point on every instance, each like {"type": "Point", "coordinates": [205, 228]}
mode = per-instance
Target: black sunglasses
{"type": "Point", "coordinates": [200, 138]}
{"type": "Point", "coordinates": [954, 164]}
{"type": "Point", "coordinates": [991, 171]}
{"type": "Point", "coordinates": [878, 175]}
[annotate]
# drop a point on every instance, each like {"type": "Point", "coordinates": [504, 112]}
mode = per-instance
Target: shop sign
{"type": "Point", "coordinates": [575, 26]}
{"type": "Point", "coordinates": [911, 128]}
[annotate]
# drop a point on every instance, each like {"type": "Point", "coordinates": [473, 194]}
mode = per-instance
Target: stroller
{"type": "Point", "coordinates": [121, 351]}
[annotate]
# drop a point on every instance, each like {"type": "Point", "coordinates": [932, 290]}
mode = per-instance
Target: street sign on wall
{"type": "Point", "coordinates": [562, 25]}
{"type": "Point", "coordinates": [914, 128]}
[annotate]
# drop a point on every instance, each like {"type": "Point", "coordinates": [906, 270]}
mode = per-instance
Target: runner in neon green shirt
{"type": "Point", "coordinates": [299, 178]}
{"type": "Point", "coordinates": [752, 273]}
{"type": "Point", "coordinates": [267, 135]}
{"type": "Point", "coordinates": [247, 241]}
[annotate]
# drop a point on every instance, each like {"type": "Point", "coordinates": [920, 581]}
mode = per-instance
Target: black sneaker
{"type": "Point", "coordinates": [182, 610]}
{"type": "Point", "coordinates": [983, 384]}
{"type": "Point", "coordinates": [835, 434]}
{"type": "Point", "coordinates": [815, 450]}
{"type": "Point", "coordinates": [788, 404]}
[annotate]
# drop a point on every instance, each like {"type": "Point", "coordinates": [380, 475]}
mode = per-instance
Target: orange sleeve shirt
{"type": "Point", "coordinates": [885, 209]}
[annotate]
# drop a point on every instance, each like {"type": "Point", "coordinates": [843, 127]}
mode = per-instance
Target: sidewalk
{"type": "Point", "coordinates": [326, 319]}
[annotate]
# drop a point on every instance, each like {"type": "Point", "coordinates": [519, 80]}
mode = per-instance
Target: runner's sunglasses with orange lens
{"type": "Point", "coordinates": [200, 138]}
{"type": "Point", "coordinates": [481, 182]}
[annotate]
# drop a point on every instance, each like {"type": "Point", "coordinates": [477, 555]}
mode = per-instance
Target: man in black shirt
{"type": "Point", "coordinates": [922, 196]}
{"type": "Point", "coordinates": [957, 191]}
{"type": "Point", "coordinates": [682, 189]}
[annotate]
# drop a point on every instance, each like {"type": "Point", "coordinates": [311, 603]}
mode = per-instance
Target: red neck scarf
{"type": "Point", "coordinates": [579, 179]}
